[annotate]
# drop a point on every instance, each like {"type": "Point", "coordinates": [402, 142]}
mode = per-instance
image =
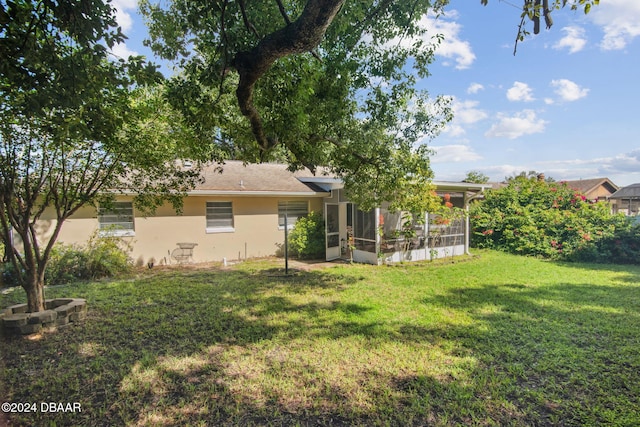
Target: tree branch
{"type": "Point", "coordinates": [283, 12]}
{"type": "Point", "coordinates": [246, 21]}
{"type": "Point", "coordinates": [302, 35]}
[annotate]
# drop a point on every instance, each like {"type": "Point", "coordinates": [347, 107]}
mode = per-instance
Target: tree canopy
{"type": "Point", "coordinates": [318, 83]}
{"type": "Point", "coordinates": [476, 176]}
{"type": "Point", "coordinates": [314, 82]}
{"type": "Point", "coordinates": [74, 124]}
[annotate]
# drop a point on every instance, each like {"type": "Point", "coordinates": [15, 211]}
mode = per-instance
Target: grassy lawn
{"type": "Point", "coordinates": [493, 340]}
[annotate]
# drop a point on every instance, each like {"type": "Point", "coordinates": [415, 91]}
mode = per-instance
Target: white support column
{"type": "Point", "coordinates": [466, 224]}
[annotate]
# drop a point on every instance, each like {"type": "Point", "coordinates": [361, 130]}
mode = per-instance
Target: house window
{"type": "Point", "coordinates": [294, 210]}
{"type": "Point", "coordinates": [219, 217]}
{"type": "Point", "coordinates": [116, 220]}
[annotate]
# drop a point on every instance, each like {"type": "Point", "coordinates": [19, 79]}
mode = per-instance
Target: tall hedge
{"type": "Point", "coordinates": [546, 219]}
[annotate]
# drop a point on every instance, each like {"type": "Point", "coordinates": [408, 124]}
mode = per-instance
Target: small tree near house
{"type": "Point", "coordinates": [71, 128]}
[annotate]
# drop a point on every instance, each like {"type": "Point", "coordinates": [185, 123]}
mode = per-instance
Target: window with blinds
{"type": "Point", "coordinates": [294, 209]}
{"type": "Point", "coordinates": [117, 219]}
{"type": "Point", "coordinates": [219, 216]}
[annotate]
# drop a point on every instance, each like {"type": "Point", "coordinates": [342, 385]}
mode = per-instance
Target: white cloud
{"type": "Point", "coordinates": [465, 112]}
{"type": "Point", "coordinates": [627, 162]}
{"type": "Point", "coordinates": [622, 169]}
{"type": "Point", "coordinates": [523, 123]}
{"type": "Point", "coordinates": [454, 154]}
{"type": "Point", "coordinates": [602, 166]}
{"type": "Point", "coordinates": [452, 47]}
{"type": "Point", "coordinates": [123, 17]}
{"type": "Point", "coordinates": [453, 129]}
{"type": "Point", "coordinates": [619, 20]}
{"type": "Point", "coordinates": [520, 92]}
{"type": "Point", "coordinates": [474, 88]}
{"type": "Point", "coordinates": [122, 51]}
{"type": "Point", "coordinates": [574, 39]}
{"type": "Point", "coordinates": [568, 91]}
{"type": "Point", "coordinates": [498, 173]}
{"type": "Point", "coordinates": [125, 21]}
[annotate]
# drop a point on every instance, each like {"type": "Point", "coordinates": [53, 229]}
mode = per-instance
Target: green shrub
{"type": "Point", "coordinates": [100, 257]}
{"type": "Point", "coordinates": [10, 277]}
{"type": "Point", "coordinates": [306, 239]}
{"type": "Point", "coordinates": [621, 248]}
{"type": "Point", "coordinates": [546, 219]}
{"type": "Point", "coordinates": [67, 263]}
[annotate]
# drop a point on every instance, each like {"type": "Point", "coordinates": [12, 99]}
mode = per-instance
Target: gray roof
{"type": "Point", "coordinates": [587, 185]}
{"type": "Point", "coordinates": [236, 177]}
{"type": "Point", "coordinates": [629, 192]}
{"type": "Point", "coordinates": [273, 179]}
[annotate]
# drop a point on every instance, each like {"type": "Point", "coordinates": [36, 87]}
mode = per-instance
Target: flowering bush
{"type": "Point", "coordinates": [622, 248]}
{"type": "Point", "coordinates": [545, 219]}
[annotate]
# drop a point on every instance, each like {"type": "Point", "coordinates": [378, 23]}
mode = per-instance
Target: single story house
{"type": "Point", "coordinates": [596, 189]}
{"type": "Point", "coordinates": [240, 213]}
{"type": "Point", "coordinates": [627, 200]}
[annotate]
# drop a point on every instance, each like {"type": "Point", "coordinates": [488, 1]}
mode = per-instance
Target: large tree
{"type": "Point", "coordinates": [72, 127]}
{"type": "Point", "coordinates": [318, 82]}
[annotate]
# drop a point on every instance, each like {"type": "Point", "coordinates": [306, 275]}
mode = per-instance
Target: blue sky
{"type": "Point", "coordinates": [567, 104]}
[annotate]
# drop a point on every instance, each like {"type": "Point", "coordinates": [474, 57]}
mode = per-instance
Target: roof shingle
{"type": "Point", "coordinates": [264, 177]}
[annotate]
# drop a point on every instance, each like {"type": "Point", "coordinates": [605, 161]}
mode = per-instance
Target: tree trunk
{"type": "Point", "coordinates": [34, 287]}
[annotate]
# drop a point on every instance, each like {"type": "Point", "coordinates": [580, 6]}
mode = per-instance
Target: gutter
{"type": "Point", "coordinates": [258, 193]}
{"type": "Point", "coordinates": [244, 193]}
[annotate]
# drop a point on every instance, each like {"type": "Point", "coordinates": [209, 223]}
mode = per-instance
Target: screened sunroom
{"type": "Point", "coordinates": [382, 236]}
{"type": "Point", "coordinates": [416, 237]}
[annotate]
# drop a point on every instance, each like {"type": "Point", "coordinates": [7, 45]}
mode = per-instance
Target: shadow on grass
{"type": "Point", "coordinates": [231, 347]}
{"type": "Point", "coordinates": [626, 272]}
{"type": "Point", "coordinates": [566, 353]}
{"type": "Point", "coordinates": [214, 347]}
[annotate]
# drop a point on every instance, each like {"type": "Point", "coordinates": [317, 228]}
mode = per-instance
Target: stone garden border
{"type": "Point", "coordinates": [58, 312]}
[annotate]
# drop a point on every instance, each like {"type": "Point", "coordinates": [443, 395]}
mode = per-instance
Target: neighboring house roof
{"type": "Point", "coordinates": [629, 192]}
{"type": "Point", "coordinates": [237, 178]}
{"type": "Point", "coordinates": [587, 186]}
{"type": "Point", "coordinates": [497, 185]}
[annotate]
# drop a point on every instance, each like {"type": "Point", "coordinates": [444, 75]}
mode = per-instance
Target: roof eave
{"type": "Point", "coordinates": [252, 193]}
{"type": "Point", "coordinates": [460, 186]}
